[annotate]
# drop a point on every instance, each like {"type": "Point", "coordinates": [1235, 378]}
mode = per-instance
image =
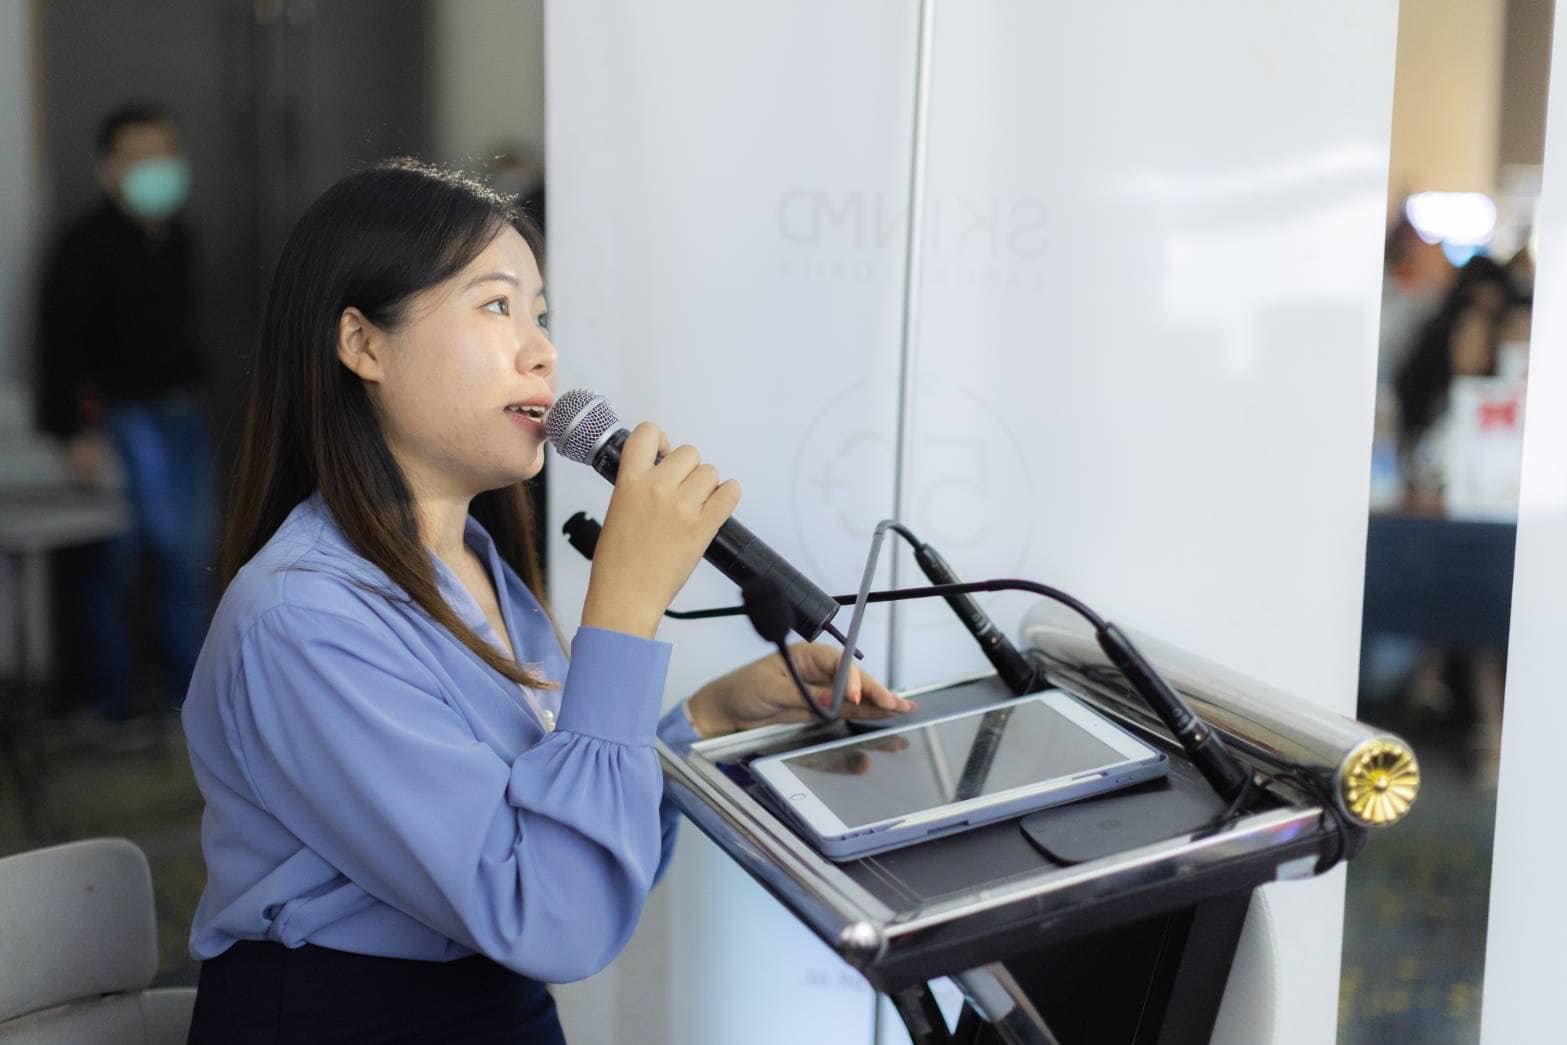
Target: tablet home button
{"type": "Point", "coordinates": [796, 798]}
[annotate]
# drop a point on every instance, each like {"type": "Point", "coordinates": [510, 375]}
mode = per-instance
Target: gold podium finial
{"type": "Point", "coordinates": [1379, 781]}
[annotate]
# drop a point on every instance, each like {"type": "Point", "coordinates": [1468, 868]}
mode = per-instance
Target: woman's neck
{"type": "Point", "coordinates": [440, 509]}
{"type": "Point", "coordinates": [443, 521]}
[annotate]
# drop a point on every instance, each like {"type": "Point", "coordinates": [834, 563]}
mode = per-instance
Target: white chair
{"type": "Point", "coordinates": [79, 949]}
{"type": "Point", "coordinates": [1249, 1011]}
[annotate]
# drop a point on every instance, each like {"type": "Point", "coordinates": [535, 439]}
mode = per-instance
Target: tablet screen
{"type": "Point", "coordinates": [895, 774]}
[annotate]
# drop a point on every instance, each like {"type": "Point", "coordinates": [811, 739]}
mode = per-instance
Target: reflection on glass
{"type": "Point", "coordinates": [887, 776]}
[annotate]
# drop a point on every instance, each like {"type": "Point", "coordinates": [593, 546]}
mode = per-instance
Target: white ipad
{"type": "Point", "coordinates": [872, 792]}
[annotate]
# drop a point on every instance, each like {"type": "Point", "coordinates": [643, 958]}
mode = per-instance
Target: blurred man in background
{"type": "Point", "coordinates": [119, 380]}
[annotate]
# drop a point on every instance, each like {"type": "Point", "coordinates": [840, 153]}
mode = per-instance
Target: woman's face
{"type": "Point", "coordinates": [461, 387]}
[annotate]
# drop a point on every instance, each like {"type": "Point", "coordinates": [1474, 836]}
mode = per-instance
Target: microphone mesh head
{"type": "Point", "coordinates": [576, 423]}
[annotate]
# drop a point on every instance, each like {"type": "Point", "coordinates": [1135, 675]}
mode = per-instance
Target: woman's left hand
{"type": "Point", "coordinates": [761, 693]}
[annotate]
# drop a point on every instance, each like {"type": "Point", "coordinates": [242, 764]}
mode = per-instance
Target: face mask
{"type": "Point", "coordinates": [154, 189]}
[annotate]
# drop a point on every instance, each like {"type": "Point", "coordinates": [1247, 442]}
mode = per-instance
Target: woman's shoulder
{"type": "Point", "coordinates": [307, 569]}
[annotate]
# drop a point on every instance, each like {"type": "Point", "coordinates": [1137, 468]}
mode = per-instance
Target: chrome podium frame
{"type": "Point", "coordinates": [1327, 782]}
{"type": "Point", "coordinates": [897, 948]}
{"type": "Point", "coordinates": [1371, 774]}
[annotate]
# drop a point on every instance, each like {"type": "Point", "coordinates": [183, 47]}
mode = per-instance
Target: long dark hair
{"type": "Point", "coordinates": [1423, 382]}
{"type": "Point", "coordinates": [372, 242]}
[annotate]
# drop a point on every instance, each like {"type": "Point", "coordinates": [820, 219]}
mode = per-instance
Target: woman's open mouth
{"type": "Point", "coordinates": [529, 415]}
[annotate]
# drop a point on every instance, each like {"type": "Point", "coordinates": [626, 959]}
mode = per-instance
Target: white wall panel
{"type": "Point", "coordinates": [721, 178]}
{"type": "Point", "coordinates": [1143, 367]}
{"type": "Point", "coordinates": [1149, 312]}
{"type": "Point", "coordinates": [488, 91]}
{"type": "Point", "coordinates": [1528, 918]}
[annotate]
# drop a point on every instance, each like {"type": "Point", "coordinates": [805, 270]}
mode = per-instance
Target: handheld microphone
{"type": "Point", "coordinates": [582, 427]}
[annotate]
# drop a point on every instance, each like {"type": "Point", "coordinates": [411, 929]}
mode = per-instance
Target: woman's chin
{"type": "Point", "coordinates": [532, 470]}
{"type": "Point", "coordinates": [512, 476]}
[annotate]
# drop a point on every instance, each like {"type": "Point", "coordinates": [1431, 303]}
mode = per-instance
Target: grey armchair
{"type": "Point", "coordinates": [79, 949]}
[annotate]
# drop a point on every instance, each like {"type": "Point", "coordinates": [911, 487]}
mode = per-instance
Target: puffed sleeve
{"type": "Point", "coordinates": [543, 864]}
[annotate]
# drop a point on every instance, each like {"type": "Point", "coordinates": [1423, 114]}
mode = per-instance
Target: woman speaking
{"type": "Point", "coordinates": [419, 809]}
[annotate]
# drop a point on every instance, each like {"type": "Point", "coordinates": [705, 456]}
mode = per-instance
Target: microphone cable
{"type": "Point", "coordinates": [769, 616]}
{"type": "Point", "coordinates": [1012, 668]}
{"type": "Point", "coordinates": [1223, 772]}
{"type": "Point", "coordinates": [768, 610]}
{"type": "Point", "coordinates": [763, 601]}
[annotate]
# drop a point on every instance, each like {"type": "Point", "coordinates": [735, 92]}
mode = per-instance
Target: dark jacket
{"type": "Point", "coordinates": [116, 321]}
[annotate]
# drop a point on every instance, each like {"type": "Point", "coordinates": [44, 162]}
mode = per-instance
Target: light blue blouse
{"type": "Point", "coordinates": [372, 786]}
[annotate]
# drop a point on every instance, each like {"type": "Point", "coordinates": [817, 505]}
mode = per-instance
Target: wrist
{"type": "Point", "coordinates": [704, 716]}
{"type": "Point", "coordinates": [596, 614]}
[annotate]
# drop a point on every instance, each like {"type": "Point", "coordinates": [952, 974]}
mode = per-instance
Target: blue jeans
{"type": "Point", "coordinates": [166, 451]}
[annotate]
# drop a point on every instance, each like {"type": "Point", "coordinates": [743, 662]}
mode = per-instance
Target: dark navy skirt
{"type": "Point", "coordinates": [259, 992]}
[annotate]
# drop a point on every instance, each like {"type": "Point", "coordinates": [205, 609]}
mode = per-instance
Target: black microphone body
{"type": "Point", "coordinates": [1017, 673]}
{"type": "Point", "coordinates": [745, 559]}
{"type": "Point", "coordinates": [1202, 745]}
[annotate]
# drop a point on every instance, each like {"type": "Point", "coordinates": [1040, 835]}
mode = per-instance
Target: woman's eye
{"type": "Point", "coordinates": [544, 320]}
{"type": "Point", "coordinates": [504, 308]}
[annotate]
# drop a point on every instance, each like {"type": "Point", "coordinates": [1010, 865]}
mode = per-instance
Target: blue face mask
{"type": "Point", "coordinates": [154, 189]}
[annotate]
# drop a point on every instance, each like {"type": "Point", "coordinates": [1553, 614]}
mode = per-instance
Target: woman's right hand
{"type": "Point", "coordinates": [661, 518]}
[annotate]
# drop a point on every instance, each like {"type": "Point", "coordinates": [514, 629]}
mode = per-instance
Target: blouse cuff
{"type": "Point", "coordinates": [614, 686]}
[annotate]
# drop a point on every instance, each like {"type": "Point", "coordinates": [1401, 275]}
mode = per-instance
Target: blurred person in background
{"type": "Point", "coordinates": [119, 379]}
{"type": "Point", "coordinates": [1416, 277]}
{"type": "Point", "coordinates": [1481, 330]}
{"type": "Point", "coordinates": [1460, 339]}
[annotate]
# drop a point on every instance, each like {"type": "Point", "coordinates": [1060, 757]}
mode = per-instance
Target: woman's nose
{"type": "Point", "coordinates": [536, 355]}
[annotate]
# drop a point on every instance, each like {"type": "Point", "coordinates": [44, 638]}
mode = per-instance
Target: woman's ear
{"type": "Point", "coordinates": [360, 345]}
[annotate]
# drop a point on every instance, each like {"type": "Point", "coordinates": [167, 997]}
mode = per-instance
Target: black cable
{"type": "Point", "coordinates": [769, 612]}
{"type": "Point", "coordinates": [1225, 774]}
{"type": "Point", "coordinates": [582, 533]}
{"type": "Point", "coordinates": [929, 591]}
{"type": "Point", "coordinates": [1303, 779]}
{"type": "Point", "coordinates": [1012, 668]}
{"type": "Point", "coordinates": [799, 684]}
{"type": "Point", "coordinates": [1227, 816]}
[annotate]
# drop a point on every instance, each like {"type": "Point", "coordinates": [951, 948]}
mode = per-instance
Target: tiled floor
{"type": "Point", "coordinates": [1414, 935]}
{"type": "Point", "coordinates": [148, 796]}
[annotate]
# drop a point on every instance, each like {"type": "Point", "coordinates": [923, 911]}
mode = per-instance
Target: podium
{"type": "Point", "coordinates": [1114, 919]}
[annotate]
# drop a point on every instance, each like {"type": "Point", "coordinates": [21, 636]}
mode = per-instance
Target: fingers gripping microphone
{"type": "Point", "coordinates": [582, 427]}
